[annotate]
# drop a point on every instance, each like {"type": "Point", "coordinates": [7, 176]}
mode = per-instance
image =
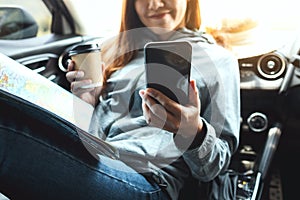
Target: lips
{"type": "Point", "coordinates": [158, 15]}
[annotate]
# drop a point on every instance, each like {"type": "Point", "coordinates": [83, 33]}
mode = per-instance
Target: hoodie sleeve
{"type": "Point", "coordinates": [220, 112]}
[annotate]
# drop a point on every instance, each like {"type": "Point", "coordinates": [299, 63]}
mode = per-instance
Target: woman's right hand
{"type": "Point", "coordinates": [75, 77]}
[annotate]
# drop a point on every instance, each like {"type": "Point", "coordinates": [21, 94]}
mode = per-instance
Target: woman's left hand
{"type": "Point", "coordinates": [171, 116]}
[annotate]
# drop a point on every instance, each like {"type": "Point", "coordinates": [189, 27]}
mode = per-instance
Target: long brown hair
{"type": "Point", "coordinates": [120, 50]}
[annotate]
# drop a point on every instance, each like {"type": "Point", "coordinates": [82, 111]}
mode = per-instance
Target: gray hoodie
{"type": "Point", "coordinates": [118, 118]}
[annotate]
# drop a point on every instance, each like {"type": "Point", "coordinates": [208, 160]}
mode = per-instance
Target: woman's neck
{"type": "Point", "coordinates": [165, 36]}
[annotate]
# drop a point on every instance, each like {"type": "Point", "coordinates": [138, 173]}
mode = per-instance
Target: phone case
{"type": "Point", "coordinates": [167, 66]}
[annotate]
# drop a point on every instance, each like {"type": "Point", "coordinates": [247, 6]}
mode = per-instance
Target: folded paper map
{"type": "Point", "coordinates": [27, 84]}
{"type": "Point", "coordinates": [20, 81]}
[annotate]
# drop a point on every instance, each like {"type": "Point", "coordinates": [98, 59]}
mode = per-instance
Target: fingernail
{"type": "Point", "coordinates": [142, 93]}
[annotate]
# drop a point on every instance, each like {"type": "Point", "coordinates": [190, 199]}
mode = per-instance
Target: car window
{"type": "Point", "coordinates": [277, 14]}
{"type": "Point", "coordinates": [34, 8]}
{"type": "Point", "coordinates": [252, 27]}
{"type": "Point", "coordinates": [96, 17]}
{"type": "Point", "coordinates": [102, 17]}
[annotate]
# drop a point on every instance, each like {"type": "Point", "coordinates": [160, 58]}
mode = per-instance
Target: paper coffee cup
{"type": "Point", "coordinates": [87, 58]}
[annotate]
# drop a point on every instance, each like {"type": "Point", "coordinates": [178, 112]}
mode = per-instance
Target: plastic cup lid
{"type": "Point", "coordinates": [84, 48]}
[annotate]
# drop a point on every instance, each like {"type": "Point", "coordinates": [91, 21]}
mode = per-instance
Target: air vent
{"type": "Point", "coordinates": [41, 64]}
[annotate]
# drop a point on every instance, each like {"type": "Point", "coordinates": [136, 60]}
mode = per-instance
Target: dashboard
{"type": "Point", "coordinates": [263, 72]}
{"type": "Point", "coordinates": [270, 114]}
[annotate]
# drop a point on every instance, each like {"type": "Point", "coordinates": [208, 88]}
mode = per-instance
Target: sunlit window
{"type": "Point", "coordinates": [104, 16]}
{"type": "Point", "coordinates": [96, 17]}
{"type": "Point", "coordinates": [277, 14]}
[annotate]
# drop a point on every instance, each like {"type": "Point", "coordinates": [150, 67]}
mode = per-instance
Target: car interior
{"type": "Point", "coordinates": [266, 160]}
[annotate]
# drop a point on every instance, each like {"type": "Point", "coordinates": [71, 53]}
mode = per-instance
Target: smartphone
{"type": "Point", "coordinates": [167, 68]}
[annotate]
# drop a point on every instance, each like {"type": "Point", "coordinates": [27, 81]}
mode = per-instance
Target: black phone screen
{"type": "Point", "coordinates": [168, 68]}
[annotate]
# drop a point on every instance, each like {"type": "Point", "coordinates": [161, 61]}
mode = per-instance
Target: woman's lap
{"type": "Point", "coordinates": [38, 160]}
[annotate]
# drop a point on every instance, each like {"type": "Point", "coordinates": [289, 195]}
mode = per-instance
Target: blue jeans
{"type": "Point", "coordinates": [40, 158]}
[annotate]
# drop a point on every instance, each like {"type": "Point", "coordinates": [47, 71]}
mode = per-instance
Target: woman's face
{"type": "Point", "coordinates": [165, 14]}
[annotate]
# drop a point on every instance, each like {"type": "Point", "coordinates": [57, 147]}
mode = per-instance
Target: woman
{"type": "Point", "coordinates": [162, 146]}
{"type": "Point", "coordinates": [210, 152]}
